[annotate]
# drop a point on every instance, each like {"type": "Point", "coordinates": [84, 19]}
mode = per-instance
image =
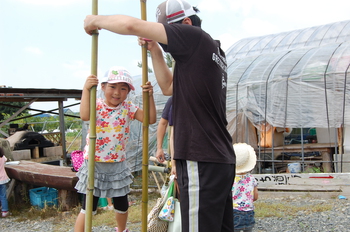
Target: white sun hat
{"type": "Point", "coordinates": [245, 157]}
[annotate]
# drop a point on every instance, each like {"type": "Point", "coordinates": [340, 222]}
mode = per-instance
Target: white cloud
{"type": "Point", "coordinates": [258, 27]}
{"type": "Point", "coordinates": [207, 5]}
{"type": "Point", "coordinates": [61, 2]}
{"type": "Point", "coordinates": [227, 40]}
{"type": "Point", "coordinates": [78, 68]}
{"type": "Point", "coordinates": [34, 50]}
{"type": "Point", "coordinates": [51, 2]}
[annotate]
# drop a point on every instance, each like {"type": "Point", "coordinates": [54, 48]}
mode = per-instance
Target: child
{"type": "Point", "coordinates": [244, 190]}
{"type": "Point", "coordinates": [3, 180]}
{"type": "Point", "coordinates": [113, 115]}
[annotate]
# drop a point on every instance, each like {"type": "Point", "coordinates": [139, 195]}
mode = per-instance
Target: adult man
{"type": "Point", "coordinates": [205, 160]}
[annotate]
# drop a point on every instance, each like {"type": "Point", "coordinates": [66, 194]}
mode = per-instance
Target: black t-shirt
{"type": "Point", "coordinates": [199, 96]}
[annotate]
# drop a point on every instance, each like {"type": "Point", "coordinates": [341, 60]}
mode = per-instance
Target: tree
{"type": "Point", "coordinates": [167, 57]}
{"type": "Point", "coordinates": [9, 108]}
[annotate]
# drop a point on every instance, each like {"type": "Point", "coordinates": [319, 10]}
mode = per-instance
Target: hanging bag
{"type": "Point", "coordinates": [167, 212]}
{"type": "Point", "coordinates": [154, 224]}
{"type": "Point", "coordinates": [77, 158]}
{"type": "Point", "coordinates": [175, 225]}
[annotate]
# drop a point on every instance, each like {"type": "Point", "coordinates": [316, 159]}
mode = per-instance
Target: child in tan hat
{"type": "Point", "coordinates": [244, 190]}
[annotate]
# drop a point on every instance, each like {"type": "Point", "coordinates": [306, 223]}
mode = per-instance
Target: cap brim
{"type": "Point", "coordinates": [120, 81]}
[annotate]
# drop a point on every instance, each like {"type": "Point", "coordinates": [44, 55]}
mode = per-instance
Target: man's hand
{"type": "Point", "coordinates": [89, 26]}
{"type": "Point", "coordinates": [150, 44]}
{"type": "Point", "coordinates": [160, 155]}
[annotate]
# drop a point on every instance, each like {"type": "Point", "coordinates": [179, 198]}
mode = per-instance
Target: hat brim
{"type": "Point", "coordinates": [121, 81]}
{"type": "Point", "coordinates": [251, 161]}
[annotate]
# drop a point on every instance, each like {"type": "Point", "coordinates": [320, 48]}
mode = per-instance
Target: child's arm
{"type": "Point", "coordinates": [85, 98]}
{"type": "Point", "coordinates": [152, 107]}
{"type": "Point", "coordinates": [161, 130]}
{"type": "Point", "coordinates": [256, 194]}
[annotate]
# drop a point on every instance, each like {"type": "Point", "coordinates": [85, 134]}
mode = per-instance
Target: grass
{"type": "Point", "coordinates": [73, 142]}
{"type": "Point", "coordinates": [24, 212]}
{"type": "Point", "coordinates": [107, 217]}
{"type": "Point", "coordinates": [263, 208]}
{"type": "Point", "coordinates": [286, 209]}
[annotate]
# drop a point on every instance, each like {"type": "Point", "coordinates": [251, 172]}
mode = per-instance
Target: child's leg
{"type": "Point", "coordinates": [121, 206]}
{"type": "Point", "coordinates": [121, 219]}
{"type": "Point", "coordinates": [80, 221]}
{"type": "Point", "coordinates": [109, 200]}
{"type": "Point", "coordinates": [110, 204]}
{"type": "Point", "coordinates": [3, 199]}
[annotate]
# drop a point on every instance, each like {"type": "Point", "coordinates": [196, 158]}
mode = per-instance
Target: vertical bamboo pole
{"type": "Point", "coordinates": [92, 145]}
{"type": "Point", "coordinates": [145, 100]}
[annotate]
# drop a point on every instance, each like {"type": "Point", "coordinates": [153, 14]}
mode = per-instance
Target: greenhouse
{"type": "Point", "coordinates": [288, 95]}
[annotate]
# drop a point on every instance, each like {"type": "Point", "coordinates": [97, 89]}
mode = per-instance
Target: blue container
{"type": "Point", "coordinates": [43, 196]}
{"type": "Point", "coordinates": [102, 202]}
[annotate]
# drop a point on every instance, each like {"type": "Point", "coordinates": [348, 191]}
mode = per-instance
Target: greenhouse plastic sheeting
{"type": "Point", "coordinates": [294, 79]}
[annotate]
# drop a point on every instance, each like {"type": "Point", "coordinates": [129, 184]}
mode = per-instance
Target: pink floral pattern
{"type": "Point", "coordinates": [112, 131]}
{"type": "Point", "coordinates": [243, 192]}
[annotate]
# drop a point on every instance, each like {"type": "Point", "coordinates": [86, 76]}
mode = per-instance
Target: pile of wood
{"type": "Point", "coordinates": [319, 185]}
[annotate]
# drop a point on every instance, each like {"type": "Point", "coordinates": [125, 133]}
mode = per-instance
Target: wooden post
{"type": "Point", "coordinates": [35, 153]}
{"type": "Point", "coordinates": [145, 99]}
{"type": "Point", "coordinates": [92, 138]}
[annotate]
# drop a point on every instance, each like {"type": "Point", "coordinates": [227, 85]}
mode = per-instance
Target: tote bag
{"type": "Point", "coordinates": [154, 224]}
{"type": "Point", "coordinates": [167, 211]}
{"type": "Point", "coordinates": [175, 225]}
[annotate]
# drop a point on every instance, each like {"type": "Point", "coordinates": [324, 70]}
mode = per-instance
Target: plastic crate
{"type": "Point", "coordinates": [43, 196]}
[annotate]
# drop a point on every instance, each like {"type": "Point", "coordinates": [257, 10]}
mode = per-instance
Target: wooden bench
{"type": "Point", "coordinates": [37, 174]}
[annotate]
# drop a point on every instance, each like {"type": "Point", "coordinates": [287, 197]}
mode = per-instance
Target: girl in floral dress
{"type": "Point", "coordinates": [244, 190]}
{"type": "Point", "coordinates": [112, 177]}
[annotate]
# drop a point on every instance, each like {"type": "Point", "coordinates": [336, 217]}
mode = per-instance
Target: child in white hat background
{"type": "Point", "coordinates": [244, 190]}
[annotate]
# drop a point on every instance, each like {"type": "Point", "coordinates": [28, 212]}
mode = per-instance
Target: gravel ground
{"type": "Point", "coordinates": [337, 219]}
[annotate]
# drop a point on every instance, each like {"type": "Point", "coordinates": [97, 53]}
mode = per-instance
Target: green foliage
{"type": "Point", "coordinates": [167, 57]}
{"type": "Point", "coordinates": [38, 123]}
{"type": "Point", "coordinates": [9, 108]}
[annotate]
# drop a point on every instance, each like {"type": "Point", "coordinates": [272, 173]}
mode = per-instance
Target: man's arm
{"type": "Point", "coordinates": [161, 130]}
{"type": "Point", "coordinates": [161, 70]}
{"type": "Point", "coordinates": [126, 25]}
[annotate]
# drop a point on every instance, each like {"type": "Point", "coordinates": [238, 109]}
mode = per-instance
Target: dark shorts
{"type": "Point", "coordinates": [205, 196]}
{"type": "Point", "coordinates": [243, 219]}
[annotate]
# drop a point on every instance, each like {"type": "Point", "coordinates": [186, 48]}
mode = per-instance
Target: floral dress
{"type": "Point", "coordinates": [112, 175]}
{"type": "Point", "coordinates": [243, 192]}
{"type": "Point", "coordinates": [243, 198]}
{"type": "Point", "coordinates": [112, 131]}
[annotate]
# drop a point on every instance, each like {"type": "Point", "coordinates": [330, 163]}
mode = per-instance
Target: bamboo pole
{"type": "Point", "coordinates": [145, 100]}
{"type": "Point", "coordinates": [92, 133]}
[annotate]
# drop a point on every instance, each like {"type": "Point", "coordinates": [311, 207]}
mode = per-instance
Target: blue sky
{"type": "Point", "coordinates": [43, 43]}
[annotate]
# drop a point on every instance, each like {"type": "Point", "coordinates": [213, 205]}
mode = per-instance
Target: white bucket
{"type": "Point", "coordinates": [294, 167]}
